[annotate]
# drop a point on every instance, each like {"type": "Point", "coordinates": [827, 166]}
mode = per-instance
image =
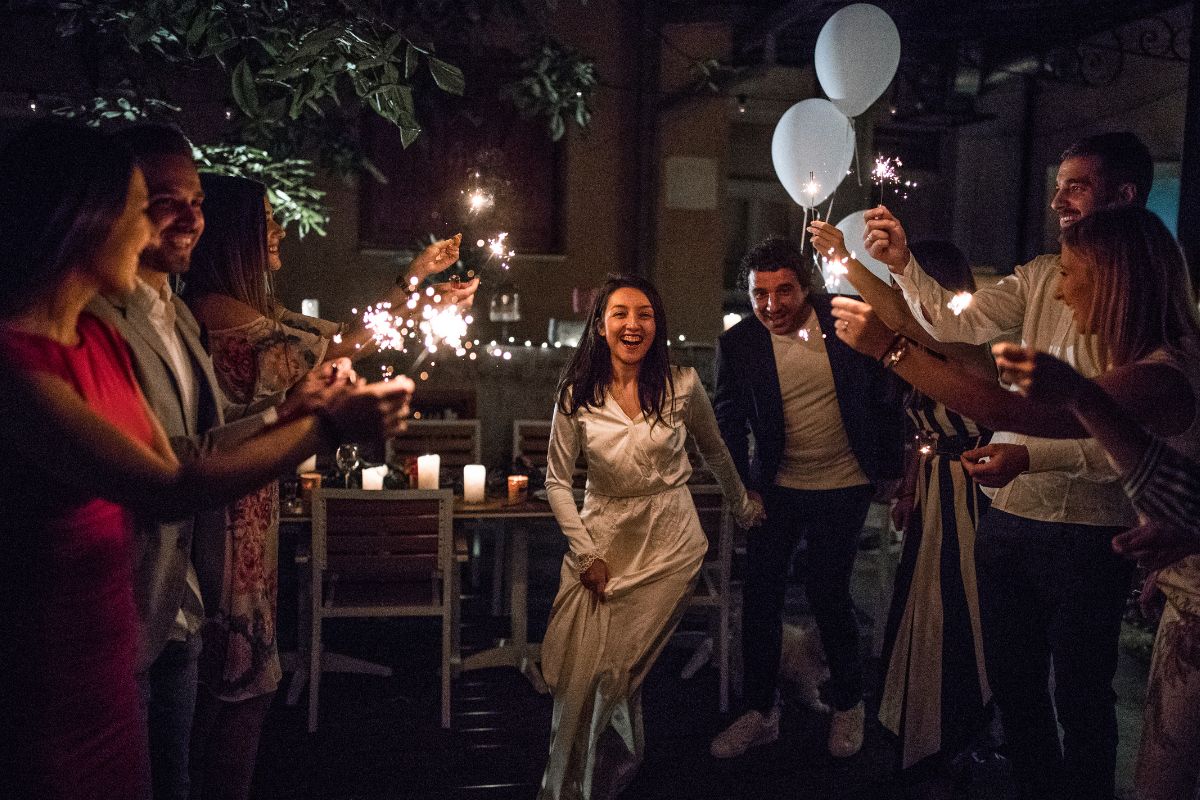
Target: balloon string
{"type": "Point", "coordinates": [857, 163]}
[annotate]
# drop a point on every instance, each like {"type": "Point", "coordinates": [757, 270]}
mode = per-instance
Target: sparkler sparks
{"type": "Point", "coordinates": [812, 188]}
{"type": "Point", "coordinates": [834, 269]}
{"type": "Point", "coordinates": [886, 172]}
{"type": "Point", "coordinates": [958, 304]}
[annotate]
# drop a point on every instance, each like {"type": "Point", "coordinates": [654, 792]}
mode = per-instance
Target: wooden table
{"type": "Point", "coordinates": [512, 522]}
{"type": "Point", "coordinates": [516, 652]}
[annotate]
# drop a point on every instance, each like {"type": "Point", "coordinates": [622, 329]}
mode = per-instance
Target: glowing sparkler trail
{"type": "Point", "coordinates": [958, 304]}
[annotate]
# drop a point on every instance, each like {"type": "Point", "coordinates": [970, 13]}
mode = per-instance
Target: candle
{"type": "Point", "coordinates": [474, 476]}
{"type": "Point", "coordinates": [518, 488]}
{"type": "Point", "coordinates": [310, 307]}
{"type": "Point", "coordinates": [428, 467]}
{"type": "Point", "coordinates": [308, 482]}
{"type": "Point", "coordinates": [307, 465]}
{"type": "Point", "coordinates": [372, 477]}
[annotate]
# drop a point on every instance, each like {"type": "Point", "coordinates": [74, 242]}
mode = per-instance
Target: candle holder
{"type": "Point", "coordinates": [518, 489]}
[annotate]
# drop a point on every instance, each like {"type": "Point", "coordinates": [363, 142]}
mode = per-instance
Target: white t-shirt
{"type": "Point", "coordinates": [816, 452]}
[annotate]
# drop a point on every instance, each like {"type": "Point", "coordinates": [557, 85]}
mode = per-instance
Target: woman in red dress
{"type": "Point", "coordinates": [78, 450]}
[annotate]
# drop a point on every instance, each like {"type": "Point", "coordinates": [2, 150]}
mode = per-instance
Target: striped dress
{"type": "Point", "coordinates": [935, 691]}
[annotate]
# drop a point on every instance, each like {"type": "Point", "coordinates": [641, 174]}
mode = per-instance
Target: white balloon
{"type": "Point", "coordinates": [853, 226]}
{"type": "Point", "coordinates": [856, 56]}
{"type": "Point", "coordinates": [812, 149]}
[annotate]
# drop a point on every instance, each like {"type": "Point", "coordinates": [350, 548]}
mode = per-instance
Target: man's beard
{"type": "Point", "coordinates": [159, 260]}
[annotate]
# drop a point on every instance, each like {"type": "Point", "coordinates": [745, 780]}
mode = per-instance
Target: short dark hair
{"type": "Point", "coordinates": [150, 139]}
{"type": "Point", "coordinates": [1123, 159]}
{"type": "Point", "coordinates": [771, 255]}
{"type": "Point", "coordinates": [62, 188]}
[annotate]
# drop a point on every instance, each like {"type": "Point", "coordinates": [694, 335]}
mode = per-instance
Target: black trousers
{"type": "Point", "coordinates": [1053, 593]}
{"type": "Point", "coordinates": [829, 521]}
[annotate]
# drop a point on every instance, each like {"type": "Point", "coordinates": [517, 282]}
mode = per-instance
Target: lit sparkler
{"type": "Point", "coordinates": [834, 269]}
{"type": "Point", "coordinates": [812, 188]}
{"type": "Point", "coordinates": [958, 304]}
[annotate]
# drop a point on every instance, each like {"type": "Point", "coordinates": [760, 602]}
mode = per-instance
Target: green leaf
{"type": "Point", "coordinates": [557, 127]}
{"type": "Point", "coordinates": [409, 135]}
{"type": "Point", "coordinates": [196, 31]}
{"type": "Point", "coordinates": [245, 94]}
{"type": "Point", "coordinates": [410, 60]}
{"type": "Point", "coordinates": [448, 77]}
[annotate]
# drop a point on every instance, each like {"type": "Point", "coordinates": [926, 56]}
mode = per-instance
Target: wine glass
{"type": "Point", "coordinates": [347, 461]}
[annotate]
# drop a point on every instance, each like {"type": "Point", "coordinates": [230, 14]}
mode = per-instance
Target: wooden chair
{"type": "Point", "coordinates": [384, 554]}
{"type": "Point", "coordinates": [714, 587]}
{"type": "Point", "coordinates": [531, 440]}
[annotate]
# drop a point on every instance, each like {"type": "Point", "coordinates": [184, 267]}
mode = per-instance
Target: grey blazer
{"type": "Point", "coordinates": [162, 549]}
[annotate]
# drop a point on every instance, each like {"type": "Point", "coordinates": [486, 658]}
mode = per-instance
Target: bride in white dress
{"type": "Point", "coordinates": [636, 548]}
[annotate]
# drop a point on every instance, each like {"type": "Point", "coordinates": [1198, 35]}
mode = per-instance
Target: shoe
{"type": "Point", "coordinates": [846, 732]}
{"type": "Point", "coordinates": [749, 730]}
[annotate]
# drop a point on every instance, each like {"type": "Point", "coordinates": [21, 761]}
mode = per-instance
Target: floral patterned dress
{"type": "Point", "coordinates": [253, 361]}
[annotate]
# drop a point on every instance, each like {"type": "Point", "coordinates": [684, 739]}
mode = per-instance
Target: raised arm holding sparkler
{"type": "Point", "coordinates": [888, 303]}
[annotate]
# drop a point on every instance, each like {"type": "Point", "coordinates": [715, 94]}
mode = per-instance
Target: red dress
{"type": "Point", "coordinates": [69, 712]}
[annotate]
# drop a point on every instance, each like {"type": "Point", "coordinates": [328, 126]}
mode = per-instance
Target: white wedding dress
{"type": "Point", "coordinates": [639, 517]}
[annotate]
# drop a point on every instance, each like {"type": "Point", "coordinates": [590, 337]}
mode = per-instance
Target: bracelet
{"type": "Point", "coordinates": [895, 354]}
{"type": "Point", "coordinates": [328, 425]}
{"type": "Point", "coordinates": [895, 340]}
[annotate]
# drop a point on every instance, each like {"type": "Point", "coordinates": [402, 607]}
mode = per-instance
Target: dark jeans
{"type": "Point", "coordinates": [168, 694]}
{"type": "Point", "coordinates": [1053, 593]}
{"type": "Point", "coordinates": [830, 522]}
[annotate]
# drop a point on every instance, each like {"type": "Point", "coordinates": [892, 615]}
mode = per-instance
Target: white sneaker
{"type": "Point", "coordinates": [749, 730]}
{"type": "Point", "coordinates": [846, 732]}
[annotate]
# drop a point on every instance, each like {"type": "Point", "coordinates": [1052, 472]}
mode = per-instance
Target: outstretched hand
{"type": "Point", "coordinates": [434, 258]}
{"type": "Point", "coordinates": [828, 241]}
{"type": "Point", "coordinates": [1038, 375]}
{"type": "Point", "coordinates": [858, 326]}
{"type": "Point", "coordinates": [370, 411]}
{"type": "Point", "coordinates": [885, 238]}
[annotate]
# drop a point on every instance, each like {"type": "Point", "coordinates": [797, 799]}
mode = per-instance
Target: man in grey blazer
{"type": "Point", "coordinates": [178, 564]}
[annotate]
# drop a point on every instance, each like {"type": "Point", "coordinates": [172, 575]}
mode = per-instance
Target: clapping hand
{"type": "Point", "coordinates": [858, 326]}
{"type": "Point", "coordinates": [370, 411]}
{"type": "Point", "coordinates": [1037, 375]}
{"type": "Point", "coordinates": [885, 238]}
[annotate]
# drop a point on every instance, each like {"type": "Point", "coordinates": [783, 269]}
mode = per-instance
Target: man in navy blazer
{"type": "Point", "coordinates": [828, 427]}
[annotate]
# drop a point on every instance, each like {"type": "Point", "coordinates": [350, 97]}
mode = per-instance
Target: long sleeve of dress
{"type": "Point", "coordinates": [561, 456]}
{"type": "Point", "coordinates": [702, 425]}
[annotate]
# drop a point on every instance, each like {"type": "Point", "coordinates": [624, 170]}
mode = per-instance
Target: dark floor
{"type": "Point", "coordinates": [379, 738]}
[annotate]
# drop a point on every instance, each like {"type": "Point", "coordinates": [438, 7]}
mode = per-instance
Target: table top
{"type": "Point", "coordinates": [493, 508]}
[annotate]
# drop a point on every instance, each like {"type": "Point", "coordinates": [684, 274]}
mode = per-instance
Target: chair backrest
{"type": "Point", "coordinates": [382, 536]}
{"type": "Point", "coordinates": [711, 509]}
{"type": "Point", "coordinates": [531, 440]}
{"type": "Point", "coordinates": [458, 442]}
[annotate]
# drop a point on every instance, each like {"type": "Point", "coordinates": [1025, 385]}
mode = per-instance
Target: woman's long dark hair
{"type": "Point", "coordinates": [587, 376]}
{"type": "Point", "coordinates": [231, 256]}
{"type": "Point", "coordinates": [62, 188]}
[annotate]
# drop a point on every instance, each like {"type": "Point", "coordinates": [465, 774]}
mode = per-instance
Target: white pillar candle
{"type": "Point", "coordinates": [428, 468]}
{"type": "Point", "coordinates": [307, 465]}
{"type": "Point", "coordinates": [372, 477]}
{"type": "Point", "coordinates": [310, 307]}
{"type": "Point", "coordinates": [474, 477]}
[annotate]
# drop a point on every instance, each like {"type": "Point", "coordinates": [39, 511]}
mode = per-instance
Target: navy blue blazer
{"type": "Point", "coordinates": [748, 400]}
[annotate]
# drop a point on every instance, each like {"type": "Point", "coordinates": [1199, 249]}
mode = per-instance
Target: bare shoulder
{"type": "Point", "coordinates": [220, 311]}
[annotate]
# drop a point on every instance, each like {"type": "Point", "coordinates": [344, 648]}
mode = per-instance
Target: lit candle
{"type": "Point", "coordinates": [428, 468]}
{"type": "Point", "coordinates": [474, 476]}
{"type": "Point", "coordinates": [518, 488]}
{"type": "Point", "coordinates": [372, 478]}
{"type": "Point", "coordinates": [307, 465]}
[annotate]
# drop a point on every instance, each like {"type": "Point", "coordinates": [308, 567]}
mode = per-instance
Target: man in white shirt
{"type": "Point", "coordinates": [1051, 590]}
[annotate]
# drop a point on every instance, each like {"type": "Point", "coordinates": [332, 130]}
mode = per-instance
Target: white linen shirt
{"type": "Point", "coordinates": [1069, 480]}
